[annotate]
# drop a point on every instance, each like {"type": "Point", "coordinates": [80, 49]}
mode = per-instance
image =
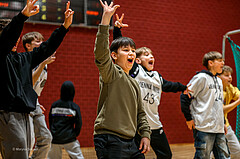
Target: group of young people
{"type": "Point", "coordinates": [24, 76]}
{"type": "Point", "coordinates": [204, 101]}
{"type": "Point", "coordinates": [130, 90]}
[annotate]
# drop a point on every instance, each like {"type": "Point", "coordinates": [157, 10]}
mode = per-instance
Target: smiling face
{"type": "Point", "coordinates": [124, 57]}
{"type": "Point", "coordinates": [226, 78]}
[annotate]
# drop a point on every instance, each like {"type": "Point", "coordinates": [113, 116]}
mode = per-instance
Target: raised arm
{"type": "Point", "coordinates": [48, 47]}
{"type": "Point", "coordinates": [68, 16]}
{"type": "Point", "coordinates": [108, 11]}
{"type": "Point", "coordinates": [117, 27]}
{"type": "Point", "coordinates": [37, 72]}
{"type": "Point", "coordinates": [103, 59]}
{"type": "Point", "coordinates": [12, 31]}
{"type": "Point", "coordinates": [30, 9]}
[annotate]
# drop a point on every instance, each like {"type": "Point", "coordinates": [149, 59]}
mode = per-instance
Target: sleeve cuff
{"type": "Point", "coordinates": [62, 28]}
{"type": "Point", "coordinates": [146, 134]}
{"type": "Point", "coordinates": [22, 17]}
{"type": "Point", "coordinates": [104, 29]}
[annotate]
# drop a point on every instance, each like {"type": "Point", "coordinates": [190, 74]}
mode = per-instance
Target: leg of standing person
{"type": "Point", "coordinates": [203, 143]}
{"type": "Point", "coordinates": [111, 146]}
{"type": "Point", "coordinates": [15, 134]}
{"type": "Point", "coordinates": [233, 143]}
{"type": "Point", "coordinates": [73, 149]}
{"type": "Point", "coordinates": [160, 145]}
{"type": "Point", "coordinates": [42, 134]}
{"type": "Point", "coordinates": [32, 129]}
{"type": "Point", "coordinates": [220, 149]}
{"type": "Point", "coordinates": [55, 151]}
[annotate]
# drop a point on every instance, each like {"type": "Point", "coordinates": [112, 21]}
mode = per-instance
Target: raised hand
{"type": "Point", "coordinates": [119, 23]}
{"type": "Point", "coordinates": [68, 16]}
{"type": "Point", "coordinates": [108, 11]}
{"type": "Point", "coordinates": [30, 9]}
{"type": "Point", "coordinates": [50, 59]}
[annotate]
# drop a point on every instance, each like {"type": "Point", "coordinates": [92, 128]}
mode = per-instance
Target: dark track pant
{"type": "Point", "coordinates": [159, 144]}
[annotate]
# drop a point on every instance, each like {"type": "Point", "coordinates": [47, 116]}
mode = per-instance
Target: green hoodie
{"type": "Point", "coordinates": [120, 110]}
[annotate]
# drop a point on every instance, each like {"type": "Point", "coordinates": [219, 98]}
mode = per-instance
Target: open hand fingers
{"type": "Point", "coordinates": [34, 2]}
{"type": "Point", "coordinates": [101, 3]}
{"type": "Point", "coordinates": [111, 4]}
{"type": "Point", "coordinates": [115, 7]}
{"type": "Point", "coordinates": [122, 16]}
{"type": "Point", "coordinates": [117, 17]}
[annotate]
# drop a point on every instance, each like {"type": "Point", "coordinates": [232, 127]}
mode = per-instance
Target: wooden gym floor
{"type": "Point", "coordinates": [180, 151]}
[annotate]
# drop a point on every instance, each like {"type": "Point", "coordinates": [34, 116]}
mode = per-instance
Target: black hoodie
{"type": "Point", "coordinates": [65, 119]}
{"type": "Point", "coordinates": [16, 68]}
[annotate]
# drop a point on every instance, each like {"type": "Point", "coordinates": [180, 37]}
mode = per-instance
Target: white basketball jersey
{"type": "Point", "coordinates": [151, 88]}
{"type": "Point", "coordinates": [39, 85]}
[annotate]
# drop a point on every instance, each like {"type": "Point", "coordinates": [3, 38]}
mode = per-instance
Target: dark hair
{"type": "Point", "coordinates": [122, 41]}
{"type": "Point", "coordinates": [142, 50]}
{"type": "Point", "coordinates": [29, 37]}
{"type": "Point", "coordinates": [227, 69]}
{"type": "Point", "coordinates": [4, 23]}
{"type": "Point", "coordinates": [212, 55]}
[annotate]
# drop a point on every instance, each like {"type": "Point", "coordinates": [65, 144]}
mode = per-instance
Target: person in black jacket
{"type": "Point", "coordinates": [65, 122]}
{"type": "Point", "coordinates": [18, 97]}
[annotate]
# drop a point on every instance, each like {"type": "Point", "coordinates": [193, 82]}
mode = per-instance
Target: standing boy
{"type": "Point", "coordinates": [204, 110]}
{"type": "Point", "coordinates": [19, 98]}
{"type": "Point", "coordinates": [151, 84]}
{"type": "Point", "coordinates": [65, 122]}
{"type": "Point", "coordinates": [120, 111]}
{"type": "Point", "coordinates": [230, 94]}
{"type": "Point", "coordinates": [43, 136]}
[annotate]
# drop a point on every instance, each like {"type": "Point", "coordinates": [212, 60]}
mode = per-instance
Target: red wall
{"type": "Point", "coordinates": [178, 32]}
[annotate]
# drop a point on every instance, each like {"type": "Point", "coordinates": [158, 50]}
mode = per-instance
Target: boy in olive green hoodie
{"type": "Point", "coordinates": [120, 111]}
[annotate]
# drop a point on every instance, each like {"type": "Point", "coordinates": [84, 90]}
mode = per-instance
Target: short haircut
{"type": "Point", "coordinates": [29, 37]}
{"type": "Point", "coordinates": [227, 69]}
{"type": "Point", "coordinates": [212, 55]}
{"type": "Point", "coordinates": [122, 41]}
{"type": "Point", "coordinates": [142, 50]}
{"type": "Point", "coordinates": [4, 23]}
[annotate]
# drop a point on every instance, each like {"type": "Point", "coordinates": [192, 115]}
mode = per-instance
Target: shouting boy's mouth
{"type": "Point", "coordinates": [151, 62]}
{"type": "Point", "coordinates": [130, 60]}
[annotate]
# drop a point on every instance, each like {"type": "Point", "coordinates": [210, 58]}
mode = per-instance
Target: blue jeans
{"type": "Point", "coordinates": [206, 142]}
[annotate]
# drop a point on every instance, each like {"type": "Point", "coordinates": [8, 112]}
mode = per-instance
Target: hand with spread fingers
{"type": "Point", "coordinates": [30, 9]}
{"type": "Point", "coordinates": [108, 11]}
{"type": "Point", "coordinates": [187, 91]}
{"type": "Point", "coordinates": [119, 23]}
